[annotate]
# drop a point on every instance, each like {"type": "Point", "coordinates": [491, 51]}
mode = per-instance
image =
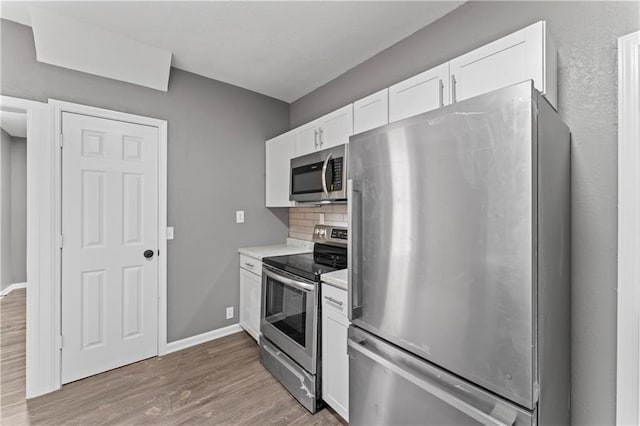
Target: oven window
{"type": "Point", "coordinates": [306, 179]}
{"type": "Point", "coordinates": [286, 310]}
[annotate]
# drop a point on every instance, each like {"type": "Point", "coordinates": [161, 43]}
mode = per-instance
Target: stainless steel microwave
{"type": "Point", "coordinates": [320, 176]}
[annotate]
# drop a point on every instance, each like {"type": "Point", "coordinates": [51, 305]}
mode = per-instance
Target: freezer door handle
{"type": "Point", "coordinates": [354, 211]}
{"type": "Point", "coordinates": [429, 387]}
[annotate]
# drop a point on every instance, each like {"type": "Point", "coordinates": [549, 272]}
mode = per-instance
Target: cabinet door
{"type": "Point", "coordinates": [307, 139]}
{"type": "Point", "coordinates": [512, 59]}
{"type": "Point", "coordinates": [421, 93]}
{"type": "Point", "coordinates": [371, 112]}
{"type": "Point", "coordinates": [250, 302]}
{"type": "Point", "coordinates": [336, 127]}
{"type": "Point", "coordinates": [280, 151]}
{"type": "Point", "coordinates": [335, 361]}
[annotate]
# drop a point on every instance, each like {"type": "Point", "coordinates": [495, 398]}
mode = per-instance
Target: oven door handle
{"type": "Point", "coordinates": [288, 281]}
{"type": "Point", "coordinates": [324, 174]}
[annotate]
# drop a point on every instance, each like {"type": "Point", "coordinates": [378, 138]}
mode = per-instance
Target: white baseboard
{"type": "Point", "coordinates": [178, 345]}
{"type": "Point", "coordinates": [12, 287]}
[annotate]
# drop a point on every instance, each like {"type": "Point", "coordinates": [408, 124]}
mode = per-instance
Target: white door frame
{"type": "Point", "coordinates": [628, 358]}
{"type": "Point", "coordinates": [57, 108]}
{"type": "Point", "coordinates": [40, 360]}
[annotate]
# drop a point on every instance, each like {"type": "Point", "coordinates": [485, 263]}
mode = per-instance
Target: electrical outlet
{"type": "Point", "coordinates": [240, 216]}
{"type": "Point", "coordinates": [170, 233]}
{"type": "Point", "coordinates": [321, 218]}
{"type": "Point", "coordinates": [230, 312]}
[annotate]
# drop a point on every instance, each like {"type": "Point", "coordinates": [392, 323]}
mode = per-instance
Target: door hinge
{"type": "Point", "coordinates": [60, 342]}
{"type": "Point", "coordinates": [60, 241]}
{"type": "Point", "coordinates": [61, 140]}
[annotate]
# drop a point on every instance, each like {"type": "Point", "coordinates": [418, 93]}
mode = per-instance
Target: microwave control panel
{"type": "Point", "coordinates": [336, 182]}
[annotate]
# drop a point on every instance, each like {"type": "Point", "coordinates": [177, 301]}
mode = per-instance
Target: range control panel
{"type": "Point", "coordinates": [330, 235]}
{"type": "Point", "coordinates": [339, 233]}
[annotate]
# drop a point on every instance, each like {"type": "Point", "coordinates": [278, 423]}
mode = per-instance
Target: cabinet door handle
{"type": "Point", "coordinates": [315, 138]}
{"type": "Point", "coordinates": [321, 141]}
{"type": "Point", "coordinates": [441, 88]}
{"type": "Point", "coordinates": [332, 300]}
{"type": "Point", "coordinates": [250, 265]}
{"type": "Point", "coordinates": [454, 97]}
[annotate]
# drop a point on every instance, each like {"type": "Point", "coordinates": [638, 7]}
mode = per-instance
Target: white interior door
{"type": "Point", "coordinates": [109, 220]}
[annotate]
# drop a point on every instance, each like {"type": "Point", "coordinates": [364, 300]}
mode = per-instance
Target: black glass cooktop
{"type": "Point", "coordinates": [324, 259]}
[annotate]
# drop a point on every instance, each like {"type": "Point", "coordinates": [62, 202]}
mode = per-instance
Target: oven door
{"type": "Point", "coordinates": [289, 316]}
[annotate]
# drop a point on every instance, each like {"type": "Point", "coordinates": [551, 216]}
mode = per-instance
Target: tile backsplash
{"type": "Point", "coordinates": [303, 219]}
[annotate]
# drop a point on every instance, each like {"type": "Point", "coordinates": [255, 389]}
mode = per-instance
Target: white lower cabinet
{"type": "Point", "coordinates": [251, 297]}
{"type": "Point", "coordinates": [335, 361]}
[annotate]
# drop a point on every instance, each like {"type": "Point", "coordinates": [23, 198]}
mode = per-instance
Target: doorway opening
{"type": "Point", "coordinates": [13, 201]}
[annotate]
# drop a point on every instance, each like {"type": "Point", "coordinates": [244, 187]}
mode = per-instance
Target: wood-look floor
{"type": "Point", "coordinates": [220, 382]}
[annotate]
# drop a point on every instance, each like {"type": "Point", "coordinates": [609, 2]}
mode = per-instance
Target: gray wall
{"type": "Point", "coordinates": [215, 166]}
{"type": "Point", "coordinates": [586, 34]}
{"type": "Point", "coordinates": [18, 210]}
{"type": "Point", "coordinates": [5, 210]}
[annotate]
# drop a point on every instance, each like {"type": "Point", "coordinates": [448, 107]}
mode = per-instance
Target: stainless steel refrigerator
{"type": "Point", "coordinates": [459, 266]}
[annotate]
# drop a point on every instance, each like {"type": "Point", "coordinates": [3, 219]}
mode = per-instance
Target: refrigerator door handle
{"type": "Point", "coordinates": [428, 386]}
{"type": "Point", "coordinates": [354, 285]}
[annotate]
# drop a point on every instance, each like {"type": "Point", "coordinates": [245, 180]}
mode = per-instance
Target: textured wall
{"type": "Point", "coordinates": [18, 210]}
{"type": "Point", "coordinates": [215, 166]}
{"type": "Point", "coordinates": [6, 278]}
{"type": "Point", "coordinates": [586, 35]}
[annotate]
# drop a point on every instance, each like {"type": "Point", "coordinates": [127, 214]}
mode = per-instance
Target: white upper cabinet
{"type": "Point", "coordinates": [307, 138]}
{"type": "Point", "coordinates": [524, 55]}
{"type": "Point", "coordinates": [421, 93]}
{"type": "Point", "coordinates": [528, 54]}
{"type": "Point", "coordinates": [371, 112]}
{"type": "Point", "coordinates": [280, 150]}
{"type": "Point", "coordinates": [336, 127]}
{"type": "Point", "coordinates": [327, 131]}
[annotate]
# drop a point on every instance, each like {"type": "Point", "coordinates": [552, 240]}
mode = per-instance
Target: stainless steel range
{"type": "Point", "coordinates": [289, 320]}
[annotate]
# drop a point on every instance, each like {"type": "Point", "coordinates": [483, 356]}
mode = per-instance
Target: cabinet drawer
{"type": "Point", "coordinates": [334, 299]}
{"type": "Point", "coordinates": [251, 264]}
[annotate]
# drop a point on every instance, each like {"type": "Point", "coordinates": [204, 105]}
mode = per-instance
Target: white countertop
{"type": "Point", "coordinates": [336, 278]}
{"type": "Point", "coordinates": [293, 246]}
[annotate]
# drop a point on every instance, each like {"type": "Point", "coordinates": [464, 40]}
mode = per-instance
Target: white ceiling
{"type": "Point", "coordinates": [281, 49]}
{"type": "Point", "coordinates": [14, 123]}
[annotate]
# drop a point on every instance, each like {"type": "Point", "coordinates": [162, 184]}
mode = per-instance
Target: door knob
{"type": "Point", "coordinates": [148, 254]}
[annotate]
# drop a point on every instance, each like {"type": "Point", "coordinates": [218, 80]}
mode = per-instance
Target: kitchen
{"type": "Point", "coordinates": [207, 238]}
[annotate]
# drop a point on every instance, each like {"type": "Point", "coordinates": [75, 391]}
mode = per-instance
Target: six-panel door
{"type": "Point", "coordinates": [109, 221]}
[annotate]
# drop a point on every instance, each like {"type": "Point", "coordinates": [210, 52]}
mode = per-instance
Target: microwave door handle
{"type": "Point", "coordinates": [288, 281]}
{"type": "Point", "coordinates": [324, 174]}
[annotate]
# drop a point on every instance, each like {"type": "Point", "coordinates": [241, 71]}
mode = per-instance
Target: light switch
{"type": "Point", "coordinates": [170, 233]}
{"type": "Point", "coordinates": [240, 216]}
